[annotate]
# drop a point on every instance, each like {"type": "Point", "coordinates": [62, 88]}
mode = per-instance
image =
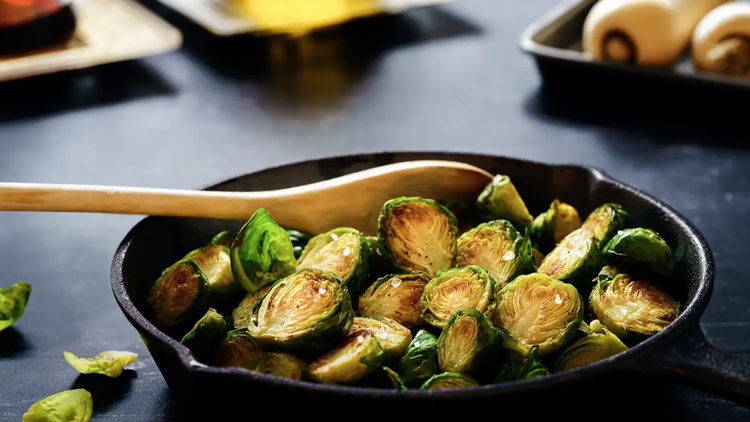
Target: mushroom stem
{"type": "Point", "coordinates": [731, 56]}
{"type": "Point", "coordinates": [619, 46]}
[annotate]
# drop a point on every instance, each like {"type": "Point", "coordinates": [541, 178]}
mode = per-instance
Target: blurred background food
{"type": "Point", "coordinates": [28, 25]}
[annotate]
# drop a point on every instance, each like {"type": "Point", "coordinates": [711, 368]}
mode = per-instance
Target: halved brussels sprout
{"type": "Point", "coordinates": [465, 215]}
{"type": "Point", "coordinates": [262, 253]}
{"type": "Point", "coordinates": [216, 264]}
{"type": "Point", "coordinates": [538, 257]}
{"type": "Point", "coordinates": [449, 380]}
{"type": "Point", "coordinates": [181, 294]}
{"type": "Point", "coordinates": [241, 314]}
{"type": "Point", "coordinates": [396, 297]}
{"type": "Point", "coordinates": [299, 241]}
{"type": "Point", "coordinates": [420, 361]}
{"type": "Point", "coordinates": [206, 333]}
{"type": "Point", "coordinates": [500, 201]}
{"type": "Point", "coordinates": [65, 406]}
{"type": "Point", "coordinates": [640, 248]}
{"type": "Point", "coordinates": [309, 311]}
{"type": "Point", "coordinates": [550, 227]}
{"type": "Point", "coordinates": [539, 311]}
{"type": "Point", "coordinates": [518, 366]}
{"type": "Point", "coordinates": [497, 247]}
{"type": "Point", "coordinates": [239, 350]}
{"type": "Point", "coordinates": [599, 345]}
{"type": "Point", "coordinates": [357, 356]}
{"type": "Point", "coordinates": [393, 337]}
{"type": "Point", "coordinates": [109, 363]}
{"type": "Point", "coordinates": [282, 365]}
{"type": "Point", "coordinates": [575, 260]}
{"type": "Point", "coordinates": [385, 378]}
{"type": "Point", "coordinates": [13, 301]}
{"type": "Point", "coordinates": [632, 309]}
{"type": "Point", "coordinates": [605, 221]}
{"type": "Point", "coordinates": [225, 238]}
{"type": "Point", "coordinates": [417, 235]}
{"type": "Point", "coordinates": [456, 289]}
{"type": "Point", "coordinates": [469, 343]}
{"type": "Point", "coordinates": [344, 251]}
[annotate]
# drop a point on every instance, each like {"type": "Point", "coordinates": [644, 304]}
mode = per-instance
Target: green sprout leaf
{"type": "Point", "coordinates": [109, 363]}
{"type": "Point", "coordinates": [13, 302]}
{"type": "Point", "coordinates": [66, 406]}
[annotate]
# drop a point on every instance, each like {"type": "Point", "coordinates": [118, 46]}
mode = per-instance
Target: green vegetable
{"type": "Point", "coordinates": [344, 251]}
{"type": "Point", "coordinates": [299, 241]}
{"type": "Point", "coordinates": [465, 215]}
{"type": "Point", "coordinates": [420, 361]}
{"type": "Point", "coordinates": [13, 301]}
{"type": "Point", "coordinates": [206, 334]}
{"type": "Point", "coordinates": [538, 257]}
{"type": "Point", "coordinates": [470, 344]}
{"type": "Point", "coordinates": [449, 380]}
{"type": "Point", "coordinates": [395, 296]}
{"type": "Point", "coordinates": [181, 294]}
{"type": "Point", "coordinates": [606, 221]}
{"type": "Point", "coordinates": [216, 264]}
{"type": "Point", "coordinates": [393, 337]}
{"type": "Point", "coordinates": [309, 311]}
{"type": "Point", "coordinates": [500, 201]}
{"type": "Point", "coordinates": [457, 289]}
{"type": "Point", "coordinates": [262, 253]}
{"type": "Point", "coordinates": [550, 227]}
{"type": "Point", "coordinates": [239, 350]}
{"type": "Point", "coordinates": [597, 346]}
{"type": "Point", "coordinates": [539, 311]}
{"type": "Point", "coordinates": [640, 248]}
{"type": "Point", "coordinates": [225, 238]}
{"type": "Point", "coordinates": [241, 313]}
{"type": "Point", "coordinates": [632, 309]}
{"type": "Point", "coordinates": [417, 235]}
{"type": "Point", "coordinates": [282, 365]}
{"type": "Point", "coordinates": [522, 367]}
{"type": "Point", "coordinates": [109, 363]}
{"type": "Point", "coordinates": [385, 378]}
{"type": "Point", "coordinates": [498, 247]}
{"type": "Point", "coordinates": [357, 356]}
{"type": "Point", "coordinates": [66, 406]}
{"type": "Point", "coordinates": [575, 260]}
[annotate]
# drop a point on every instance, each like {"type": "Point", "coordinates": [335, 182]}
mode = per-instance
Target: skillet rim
{"type": "Point", "coordinates": [686, 320]}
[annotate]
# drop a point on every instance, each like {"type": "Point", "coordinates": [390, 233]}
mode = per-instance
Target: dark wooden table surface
{"type": "Point", "coordinates": [443, 78]}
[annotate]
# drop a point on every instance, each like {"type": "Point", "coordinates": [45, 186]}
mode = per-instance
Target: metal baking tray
{"type": "Point", "coordinates": [554, 41]}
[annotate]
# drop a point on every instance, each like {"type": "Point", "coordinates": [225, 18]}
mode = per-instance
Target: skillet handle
{"type": "Point", "coordinates": [694, 359]}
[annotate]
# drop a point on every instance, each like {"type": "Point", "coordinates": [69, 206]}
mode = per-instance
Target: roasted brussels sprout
{"type": "Point", "coordinates": [344, 251]}
{"type": "Point", "coordinates": [539, 311]}
{"type": "Point", "coordinates": [357, 356]}
{"type": "Point", "coordinates": [518, 366]}
{"type": "Point", "coordinates": [299, 241]}
{"type": "Point", "coordinates": [308, 311]}
{"type": "Point", "coordinates": [470, 344]}
{"type": "Point", "coordinates": [65, 406]}
{"type": "Point", "coordinates": [239, 350]}
{"type": "Point", "coordinates": [216, 264]}
{"type": "Point", "coordinates": [456, 289]}
{"type": "Point", "coordinates": [385, 378]}
{"type": "Point", "coordinates": [282, 365]}
{"type": "Point", "coordinates": [449, 380]}
{"type": "Point", "coordinates": [225, 238]}
{"type": "Point", "coordinates": [13, 302]}
{"type": "Point", "coordinates": [640, 248]}
{"type": "Point", "coordinates": [550, 227]}
{"type": "Point", "coordinates": [465, 215]}
{"type": "Point", "coordinates": [599, 345]}
{"type": "Point", "coordinates": [500, 201]}
{"type": "Point", "coordinates": [420, 361]}
{"type": "Point", "coordinates": [393, 337]}
{"type": "Point", "coordinates": [417, 235]}
{"type": "Point", "coordinates": [605, 221]}
{"type": "Point", "coordinates": [109, 363]}
{"type": "Point", "coordinates": [241, 314]}
{"type": "Point", "coordinates": [396, 297]}
{"type": "Point", "coordinates": [262, 253]}
{"type": "Point", "coordinates": [632, 309]}
{"type": "Point", "coordinates": [181, 294]}
{"type": "Point", "coordinates": [538, 257]}
{"type": "Point", "coordinates": [575, 260]}
{"type": "Point", "coordinates": [499, 248]}
{"type": "Point", "coordinates": [206, 333]}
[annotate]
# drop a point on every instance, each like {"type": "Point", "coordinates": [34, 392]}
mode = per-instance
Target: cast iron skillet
{"type": "Point", "coordinates": [682, 349]}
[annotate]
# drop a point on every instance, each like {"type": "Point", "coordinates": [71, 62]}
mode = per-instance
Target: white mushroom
{"type": "Point", "coordinates": [721, 41]}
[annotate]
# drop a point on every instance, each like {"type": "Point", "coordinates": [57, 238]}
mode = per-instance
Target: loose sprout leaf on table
{"type": "Point", "coordinates": [65, 406]}
{"type": "Point", "coordinates": [13, 301]}
{"type": "Point", "coordinates": [446, 295]}
{"type": "Point", "coordinates": [110, 363]}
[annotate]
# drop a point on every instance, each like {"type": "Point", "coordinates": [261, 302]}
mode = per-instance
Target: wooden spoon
{"type": "Point", "coordinates": [354, 200]}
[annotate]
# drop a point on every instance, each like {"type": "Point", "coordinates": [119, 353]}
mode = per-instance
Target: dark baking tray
{"type": "Point", "coordinates": [554, 41]}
